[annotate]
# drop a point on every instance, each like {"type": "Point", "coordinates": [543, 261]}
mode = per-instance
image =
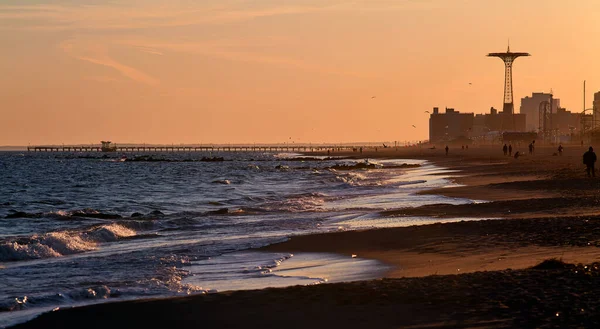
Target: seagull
{"type": "Point", "coordinates": [470, 83]}
{"type": "Point", "coordinates": [427, 112]}
{"type": "Point", "coordinates": [414, 126]}
{"type": "Point", "coordinates": [372, 97]}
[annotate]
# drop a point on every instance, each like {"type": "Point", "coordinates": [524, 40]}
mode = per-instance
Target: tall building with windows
{"type": "Point", "coordinates": [596, 110]}
{"type": "Point", "coordinates": [530, 106]}
{"type": "Point", "coordinates": [445, 127]}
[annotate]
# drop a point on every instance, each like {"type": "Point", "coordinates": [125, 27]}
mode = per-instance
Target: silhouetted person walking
{"type": "Point", "coordinates": [446, 150]}
{"type": "Point", "coordinates": [589, 159]}
{"type": "Point", "coordinates": [505, 149]}
{"type": "Point", "coordinates": [530, 148]}
{"type": "Point", "coordinates": [509, 149]}
{"type": "Point", "coordinates": [560, 149]}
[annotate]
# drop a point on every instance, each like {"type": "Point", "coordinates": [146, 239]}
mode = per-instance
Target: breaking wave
{"type": "Point", "coordinates": [351, 178]}
{"type": "Point", "coordinates": [56, 244]}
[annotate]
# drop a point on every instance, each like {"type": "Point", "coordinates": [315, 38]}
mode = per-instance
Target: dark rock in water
{"type": "Point", "coordinates": [19, 214]}
{"type": "Point", "coordinates": [369, 165]}
{"type": "Point", "coordinates": [360, 165]}
{"type": "Point", "coordinates": [404, 165]}
{"type": "Point", "coordinates": [302, 159]}
{"type": "Point", "coordinates": [137, 214]}
{"type": "Point", "coordinates": [221, 211]}
{"type": "Point", "coordinates": [150, 158]}
{"type": "Point", "coordinates": [213, 159]}
{"type": "Point", "coordinates": [156, 213]}
{"type": "Point", "coordinates": [98, 215]}
{"type": "Point", "coordinates": [553, 264]}
{"type": "Point", "coordinates": [145, 158]}
{"type": "Point", "coordinates": [114, 294]}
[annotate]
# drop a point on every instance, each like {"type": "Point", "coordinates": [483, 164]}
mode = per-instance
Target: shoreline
{"type": "Point", "coordinates": [535, 225]}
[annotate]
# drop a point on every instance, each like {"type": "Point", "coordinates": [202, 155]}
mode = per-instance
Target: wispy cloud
{"type": "Point", "coordinates": [226, 49]}
{"type": "Point", "coordinates": [111, 16]}
{"type": "Point", "coordinates": [87, 27]}
{"type": "Point", "coordinates": [97, 54]}
{"type": "Point", "coordinates": [119, 17]}
{"type": "Point", "coordinates": [150, 51]}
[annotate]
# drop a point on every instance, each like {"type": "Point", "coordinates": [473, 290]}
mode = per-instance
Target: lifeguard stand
{"type": "Point", "coordinates": [108, 147]}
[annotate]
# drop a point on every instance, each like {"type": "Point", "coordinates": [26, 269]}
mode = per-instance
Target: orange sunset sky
{"type": "Point", "coordinates": [240, 71]}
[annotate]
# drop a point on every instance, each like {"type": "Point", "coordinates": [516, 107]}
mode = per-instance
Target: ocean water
{"type": "Point", "coordinates": [88, 228]}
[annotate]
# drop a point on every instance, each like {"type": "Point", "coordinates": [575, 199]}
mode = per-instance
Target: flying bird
{"type": "Point", "coordinates": [470, 83]}
{"type": "Point", "coordinates": [427, 112]}
{"type": "Point", "coordinates": [372, 97]}
{"type": "Point", "coordinates": [414, 126]}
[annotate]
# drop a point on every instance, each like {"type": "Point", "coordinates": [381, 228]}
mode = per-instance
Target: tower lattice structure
{"type": "Point", "coordinates": [508, 58]}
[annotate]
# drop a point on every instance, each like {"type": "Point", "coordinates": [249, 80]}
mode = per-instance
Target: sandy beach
{"type": "Point", "coordinates": [467, 274]}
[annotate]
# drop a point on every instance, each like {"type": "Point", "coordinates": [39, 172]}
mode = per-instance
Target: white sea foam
{"type": "Point", "coordinates": [65, 243]}
{"type": "Point", "coordinates": [351, 178]}
{"type": "Point", "coordinates": [109, 233]}
{"type": "Point", "coordinates": [56, 244]}
{"type": "Point", "coordinates": [17, 251]}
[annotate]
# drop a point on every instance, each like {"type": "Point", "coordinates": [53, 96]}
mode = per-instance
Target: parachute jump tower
{"type": "Point", "coordinates": [508, 108]}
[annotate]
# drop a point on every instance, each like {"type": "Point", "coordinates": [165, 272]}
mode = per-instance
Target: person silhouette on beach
{"type": "Point", "coordinates": [505, 149]}
{"type": "Point", "coordinates": [509, 149]}
{"type": "Point", "coordinates": [589, 160]}
{"type": "Point", "coordinates": [560, 149]}
{"type": "Point", "coordinates": [530, 148]}
{"type": "Point", "coordinates": [446, 150]}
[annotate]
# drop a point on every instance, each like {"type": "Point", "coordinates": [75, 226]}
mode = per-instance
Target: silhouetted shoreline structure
{"type": "Point", "coordinates": [456, 127]}
{"type": "Point", "coordinates": [530, 106]}
{"type": "Point", "coordinates": [449, 125]}
{"type": "Point", "coordinates": [508, 108]}
{"type": "Point", "coordinates": [192, 148]}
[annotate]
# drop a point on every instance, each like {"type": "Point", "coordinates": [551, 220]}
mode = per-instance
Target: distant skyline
{"type": "Point", "coordinates": [237, 71]}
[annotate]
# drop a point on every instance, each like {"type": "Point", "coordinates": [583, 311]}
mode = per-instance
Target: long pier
{"type": "Point", "coordinates": [211, 148]}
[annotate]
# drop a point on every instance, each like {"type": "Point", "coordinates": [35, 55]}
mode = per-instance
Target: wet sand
{"type": "Point", "coordinates": [470, 274]}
